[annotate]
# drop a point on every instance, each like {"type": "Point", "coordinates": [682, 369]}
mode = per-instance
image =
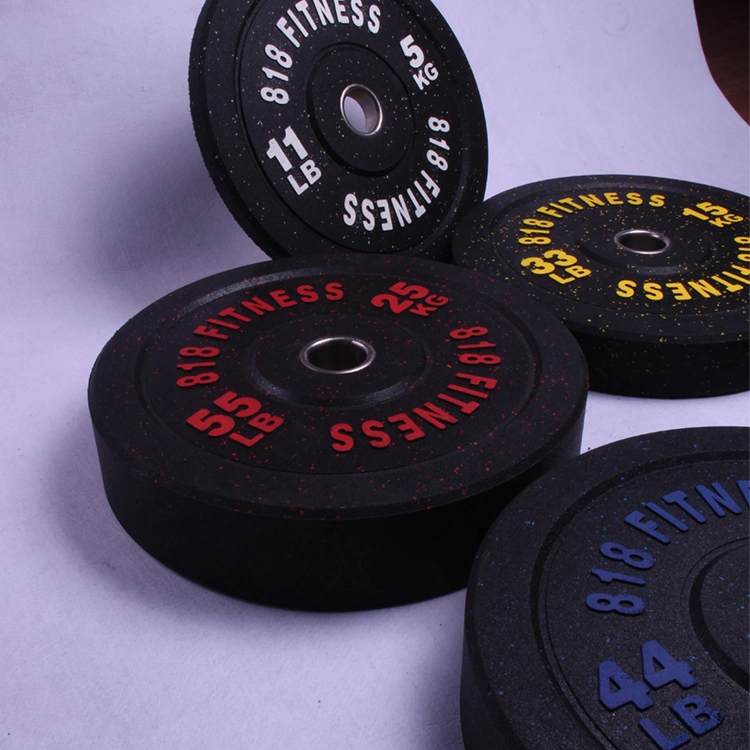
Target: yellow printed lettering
{"type": "Point", "coordinates": [679, 290]}
{"type": "Point", "coordinates": [537, 265]}
{"type": "Point", "coordinates": [634, 199]}
{"type": "Point", "coordinates": [578, 271]}
{"type": "Point", "coordinates": [571, 202]}
{"type": "Point", "coordinates": [695, 214]}
{"type": "Point", "coordinates": [591, 200]}
{"type": "Point", "coordinates": [549, 212]}
{"type": "Point", "coordinates": [626, 288]}
{"type": "Point", "coordinates": [656, 200]}
{"type": "Point", "coordinates": [728, 284]}
{"type": "Point", "coordinates": [653, 290]}
{"type": "Point", "coordinates": [613, 198]}
{"type": "Point", "coordinates": [561, 208]}
{"type": "Point", "coordinates": [736, 277]}
{"type": "Point", "coordinates": [561, 280]}
{"type": "Point", "coordinates": [704, 288]}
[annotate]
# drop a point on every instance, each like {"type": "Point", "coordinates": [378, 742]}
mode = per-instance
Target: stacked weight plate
{"type": "Point", "coordinates": [651, 275]}
{"type": "Point", "coordinates": [341, 126]}
{"type": "Point", "coordinates": [327, 434]}
{"type": "Point", "coordinates": [608, 604]}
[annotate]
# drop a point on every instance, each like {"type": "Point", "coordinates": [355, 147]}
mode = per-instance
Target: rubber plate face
{"type": "Point", "coordinates": [651, 275]}
{"type": "Point", "coordinates": [331, 435]}
{"type": "Point", "coordinates": [607, 606]}
{"type": "Point", "coordinates": [338, 125]}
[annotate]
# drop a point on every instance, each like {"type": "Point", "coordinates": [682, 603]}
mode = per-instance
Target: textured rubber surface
{"type": "Point", "coordinates": [346, 126]}
{"type": "Point", "coordinates": [651, 275]}
{"type": "Point", "coordinates": [607, 606]}
{"type": "Point", "coordinates": [249, 439]}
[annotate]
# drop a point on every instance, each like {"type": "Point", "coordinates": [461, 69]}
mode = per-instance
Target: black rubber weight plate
{"type": "Point", "coordinates": [608, 604]}
{"type": "Point", "coordinates": [249, 439]}
{"type": "Point", "coordinates": [651, 275]}
{"type": "Point", "coordinates": [338, 125]}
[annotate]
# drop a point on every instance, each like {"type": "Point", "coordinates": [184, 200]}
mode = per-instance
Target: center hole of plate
{"type": "Point", "coordinates": [361, 109]}
{"type": "Point", "coordinates": [337, 354]}
{"type": "Point", "coordinates": [643, 241]}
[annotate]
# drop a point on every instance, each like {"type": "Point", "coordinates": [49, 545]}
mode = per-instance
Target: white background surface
{"type": "Point", "coordinates": [105, 205]}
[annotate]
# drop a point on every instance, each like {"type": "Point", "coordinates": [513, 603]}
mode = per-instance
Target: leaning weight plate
{"type": "Point", "coordinates": [338, 125]}
{"type": "Point", "coordinates": [331, 433]}
{"type": "Point", "coordinates": [607, 607]}
{"type": "Point", "coordinates": [651, 275]}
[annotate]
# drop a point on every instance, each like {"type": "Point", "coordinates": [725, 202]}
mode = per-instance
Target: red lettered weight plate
{"type": "Point", "coordinates": [607, 607]}
{"type": "Point", "coordinates": [331, 434]}
{"type": "Point", "coordinates": [346, 125]}
{"type": "Point", "coordinates": [651, 275]}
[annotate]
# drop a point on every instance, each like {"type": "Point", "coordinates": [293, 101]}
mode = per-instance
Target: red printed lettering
{"type": "Point", "coordinates": [232, 313]}
{"type": "Point", "coordinates": [334, 291]}
{"type": "Point", "coordinates": [407, 425]}
{"type": "Point", "coordinates": [281, 298]}
{"type": "Point", "coordinates": [257, 305]}
{"type": "Point", "coordinates": [209, 333]}
{"type": "Point", "coordinates": [307, 293]}
{"type": "Point", "coordinates": [488, 384]}
{"type": "Point", "coordinates": [266, 422]}
{"type": "Point", "coordinates": [241, 406]}
{"type": "Point", "coordinates": [466, 407]}
{"type": "Point", "coordinates": [341, 435]}
{"type": "Point", "coordinates": [374, 430]}
{"type": "Point", "coordinates": [435, 416]}
{"type": "Point", "coordinates": [224, 324]}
